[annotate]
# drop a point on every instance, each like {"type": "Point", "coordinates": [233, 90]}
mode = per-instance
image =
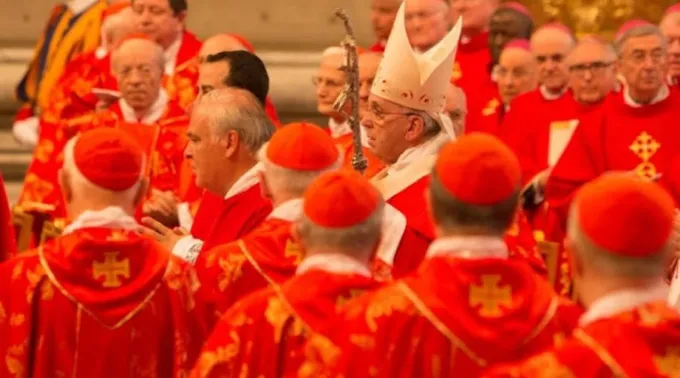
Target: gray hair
{"type": "Point", "coordinates": [356, 240]}
{"type": "Point", "coordinates": [235, 109]}
{"type": "Point", "coordinates": [639, 31]}
{"type": "Point", "coordinates": [607, 262]}
{"type": "Point", "coordinates": [430, 126]}
{"type": "Point", "coordinates": [153, 46]}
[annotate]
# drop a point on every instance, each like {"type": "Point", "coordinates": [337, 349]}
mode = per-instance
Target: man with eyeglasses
{"type": "Point", "coordinates": [670, 27]}
{"type": "Point", "coordinates": [634, 130]}
{"type": "Point", "coordinates": [383, 13]}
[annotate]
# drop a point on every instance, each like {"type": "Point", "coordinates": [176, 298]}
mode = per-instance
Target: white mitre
{"type": "Point", "coordinates": [417, 81]}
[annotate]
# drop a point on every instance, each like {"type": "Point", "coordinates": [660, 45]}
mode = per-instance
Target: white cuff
{"type": "Point", "coordinates": [187, 248]}
{"type": "Point", "coordinates": [186, 220]}
{"type": "Point", "coordinates": [26, 131]}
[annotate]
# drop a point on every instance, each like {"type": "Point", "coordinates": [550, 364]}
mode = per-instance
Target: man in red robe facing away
{"type": "Point", "coordinates": [516, 75]}
{"type": "Point", "coordinates": [632, 131]}
{"type": "Point", "coordinates": [620, 232]}
{"type": "Point", "coordinates": [296, 155]}
{"type": "Point", "coordinates": [339, 231]}
{"type": "Point", "coordinates": [101, 285]}
{"type": "Point", "coordinates": [143, 110]}
{"type": "Point", "coordinates": [228, 127]}
{"type": "Point", "coordinates": [510, 21]}
{"type": "Point", "coordinates": [670, 27]}
{"type": "Point", "coordinates": [383, 13]}
{"type": "Point", "coordinates": [490, 310]}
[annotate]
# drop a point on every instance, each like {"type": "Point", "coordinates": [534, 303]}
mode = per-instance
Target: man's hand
{"type": "Point", "coordinates": [166, 236]}
{"type": "Point", "coordinates": [162, 207]}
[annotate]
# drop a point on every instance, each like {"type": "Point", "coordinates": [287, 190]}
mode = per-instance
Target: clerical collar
{"type": "Point", "coordinates": [551, 96]}
{"type": "Point", "coordinates": [110, 217]}
{"type": "Point", "coordinates": [78, 6]}
{"type": "Point", "coordinates": [411, 155]}
{"type": "Point", "coordinates": [622, 301]}
{"type": "Point", "coordinates": [246, 181]}
{"type": "Point", "coordinates": [338, 129]}
{"type": "Point", "coordinates": [333, 263]}
{"type": "Point", "coordinates": [170, 55]}
{"type": "Point", "coordinates": [152, 116]}
{"type": "Point", "coordinates": [469, 247]}
{"type": "Point", "coordinates": [290, 210]}
{"type": "Point", "coordinates": [663, 94]}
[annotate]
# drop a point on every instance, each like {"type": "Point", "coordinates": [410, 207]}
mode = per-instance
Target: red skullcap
{"type": "Point", "coordinates": [243, 41]}
{"type": "Point", "coordinates": [522, 44]}
{"type": "Point", "coordinates": [340, 199]}
{"type": "Point", "coordinates": [478, 169]}
{"type": "Point", "coordinates": [517, 7]}
{"type": "Point", "coordinates": [675, 8]}
{"type": "Point", "coordinates": [109, 158]}
{"type": "Point", "coordinates": [625, 215]}
{"type": "Point", "coordinates": [628, 25]}
{"type": "Point", "coordinates": [302, 147]}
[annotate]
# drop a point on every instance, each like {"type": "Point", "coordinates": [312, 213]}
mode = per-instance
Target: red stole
{"type": "Point", "coordinates": [99, 290]}
{"type": "Point", "coordinates": [266, 332]}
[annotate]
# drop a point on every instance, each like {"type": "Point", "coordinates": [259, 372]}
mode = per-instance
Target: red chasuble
{"type": "Point", "coordinates": [263, 335]}
{"type": "Point", "coordinates": [644, 342]}
{"type": "Point", "coordinates": [181, 85]}
{"type": "Point", "coordinates": [8, 246]}
{"type": "Point", "coordinates": [489, 311]}
{"type": "Point", "coordinates": [93, 293]}
{"type": "Point", "coordinates": [230, 271]}
{"type": "Point", "coordinates": [220, 221]}
{"type": "Point", "coordinates": [485, 109]}
{"type": "Point", "coordinates": [617, 137]}
{"type": "Point", "coordinates": [165, 139]}
{"type": "Point", "coordinates": [472, 63]}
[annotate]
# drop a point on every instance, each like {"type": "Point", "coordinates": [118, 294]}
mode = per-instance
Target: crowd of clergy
{"type": "Point", "coordinates": [517, 216]}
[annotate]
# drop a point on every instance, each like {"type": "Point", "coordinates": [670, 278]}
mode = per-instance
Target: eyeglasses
{"type": "Point", "coordinates": [379, 115]}
{"type": "Point", "coordinates": [595, 68]}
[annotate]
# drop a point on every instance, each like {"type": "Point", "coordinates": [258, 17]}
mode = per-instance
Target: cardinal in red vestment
{"type": "Point", "coordinates": [296, 154]}
{"type": "Point", "coordinates": [620, 233]}
{"type": "Point", "coordinates": [101, 286]}
{"type": "Point", "coordinates": [339, 231]}
{"type": "Point", "coordinates": [8, 245]}
{"type": "Point", "coordinates": [144, 110]}
{"type": "Point", "coordinates": [509, 21]}
{"type": "Point", "coordinates": [383, 13]}
{"type": "Point", "coordinates": [224, 160]}
{"type": "Point", "coordinates": [491, 309]}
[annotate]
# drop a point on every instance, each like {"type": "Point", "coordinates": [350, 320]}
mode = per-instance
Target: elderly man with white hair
{"type": "Point", "coordinates": [102, 283]}
{"type": "Point", "coordinates": [228, 127]}
{"type": "Point", "coordinates": [670, 27]}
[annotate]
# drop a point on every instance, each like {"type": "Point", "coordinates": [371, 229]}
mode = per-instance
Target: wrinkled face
{"type": "Point", "coordinates": [505, 25]}
{"type": "Point", "coordinates": [139, 73]}
{"type": "Point", "coordinates": [516, 74]}
{"type": "Point", "coordinates": [592, 74]}
{"type": "Point", "coordinates": [211, 76]}
{"type": "Point", "coordinates": [550, 48]}
{"type": "Point", "coordinates": [476, 13]}
{"type": "Point", "coordinates": [383, 13]}
{"type": "Point", "coordinates": [670, 27]}
{"type": "Point", "coordinates": [329, 82]}
{"type": "Point", "coordinates": [387, 127]}
{"type": "Point", "coordinates": [156, 19]}
{"type": "Point", "coordinates": [368, 66]}
{"type": "Point", "coordinates": [643, 63]}
{"type": "Point", "coordinates": [206, 153]}
{"type": "Point", "coordinates": [427, 22]}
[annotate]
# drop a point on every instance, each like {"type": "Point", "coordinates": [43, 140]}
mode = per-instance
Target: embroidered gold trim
{"type": "Point", "coordinates": [50, 275]}
{"type": "Point", "coordinates": [549, 314]}
{"type": "Point", "coordinates": [438, 324]}
{"type": "Point", "coordinates": [602, 353]}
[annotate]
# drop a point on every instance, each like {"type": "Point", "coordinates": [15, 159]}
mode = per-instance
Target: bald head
{"type": "Point", "coordinates": [516, 73]}
{"type": "Point", "coordinates": [218, 43]}
{"type": "Point", "coordinates": [368, 67]}
{"type": "Point", "coordinates": [592, 72]}
{"type": "Point", "coordinates": [138, 67]}
{"type": "Point", "coordinates": [550, 46]}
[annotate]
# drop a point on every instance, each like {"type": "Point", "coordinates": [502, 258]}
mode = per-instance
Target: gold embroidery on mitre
{"type": "Point", "coordinates": [111, 269]}
{"type": "Point", "coordinates": [277, 315]}
{"type": "Point", "coordinates": [293, 251]}
{"type": "Point", "coordinates": [644, 147]}
{"type": "Point", "coordinates": [546, 365]}
{"type": "Point", "coordinates": [490, 107]}
{"type": "Point", "coordinates": [490, 295]}
{"type": "Point", "coordinates": [669, 364]}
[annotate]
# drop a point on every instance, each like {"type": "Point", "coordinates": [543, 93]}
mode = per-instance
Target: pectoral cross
{"type": "Point", "coordinates": [490, 296]}
{"type": "Point", "coordinates": [111, 269]}
{"type": "Point", "coordinates": [644, 147]}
